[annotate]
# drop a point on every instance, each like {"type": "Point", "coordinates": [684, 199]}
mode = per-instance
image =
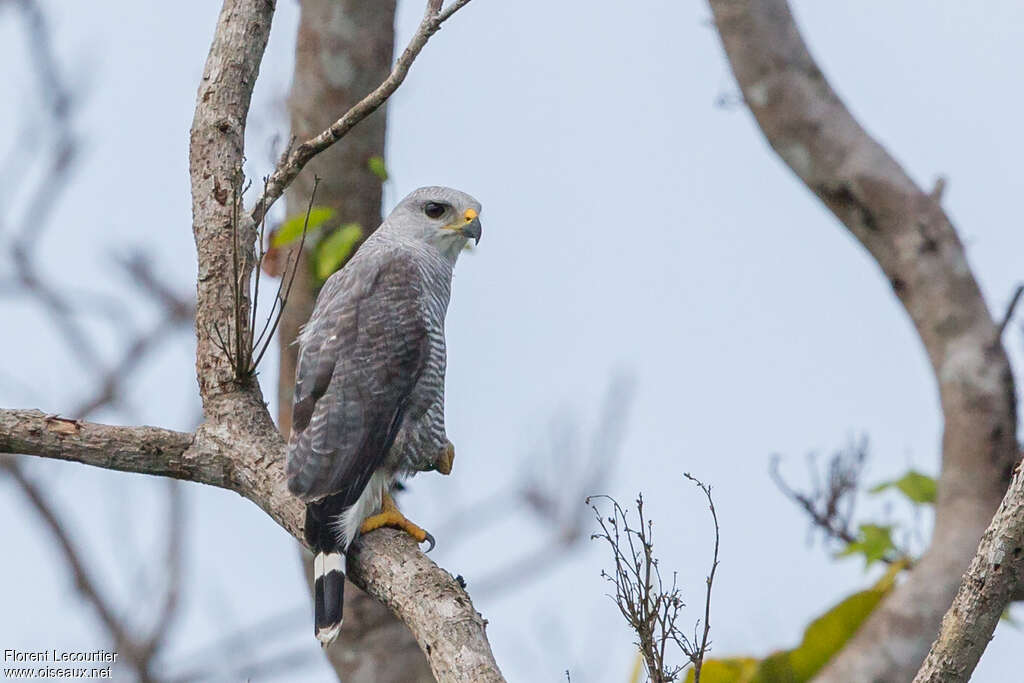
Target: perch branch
{"type": "Point", "coordinates": [387, 565]}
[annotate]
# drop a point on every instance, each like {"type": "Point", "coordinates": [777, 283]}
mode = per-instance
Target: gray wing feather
{"type": "Point", "coordinates": [360, 357]}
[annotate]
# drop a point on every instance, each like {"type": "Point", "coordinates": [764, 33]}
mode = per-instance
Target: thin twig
{"type": "Point", "coordinates": [296, 159]}
{"type": "Point", "coordinates": [1010, 308]}
{"type": "Point", "coordinates": [698, 656]}
{"type": "Point", "coordinates": [281, 301]}
{"type": "Point", "coordinates": [828, 518]}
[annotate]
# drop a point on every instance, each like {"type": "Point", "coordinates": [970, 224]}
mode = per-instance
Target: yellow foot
{"type": "Point", "coordinates": [446, 459]}
{"type": "Point", "coordinates": [390, 516]}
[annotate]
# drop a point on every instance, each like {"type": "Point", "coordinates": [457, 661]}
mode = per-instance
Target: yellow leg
{"type": "Point", "coordinates": [446, 459]}
{"type": "Point", "coordinates": [390, 516]}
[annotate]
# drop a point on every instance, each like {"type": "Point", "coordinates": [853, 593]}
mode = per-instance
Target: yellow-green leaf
{"type": "Point", "coordinates": [874, 541]}
{"type": "Point", "coordinates": [919, 488]}
{"type": "Point", "coordinates": [337, 247]}
{"type": "Point", "coordinates": [731, 670]}
{"type": "Point", "coordinates": [377, 168]}
{"type": "Point", "coordinates": [823, 638]}
{"type": "Point", "coordinates": [291, 229]}
{"type": "Point", "coordinates": [827, 634]}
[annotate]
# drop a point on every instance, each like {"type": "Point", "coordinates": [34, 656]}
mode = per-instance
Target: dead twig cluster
{"type": "Point", "coordinates": [831, 501]}
{"type": "Point", "coordinates": [240, 344]}
{"type": "Point", "coordinates": [651, 606]}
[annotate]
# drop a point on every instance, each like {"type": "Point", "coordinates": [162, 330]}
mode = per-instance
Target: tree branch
{"type": "Point", "coordinates": [386, 564]}
{"type": "Point", "coordinates": [146, 450]}
{"type": "Point", "coordinates": [917, 248]}
{"type": "Point", "coordinates": [991, 582]}
{"type": "Point", "coordinates": [238, 447]}
{"type": "Point", "coordinates": [293, 162]}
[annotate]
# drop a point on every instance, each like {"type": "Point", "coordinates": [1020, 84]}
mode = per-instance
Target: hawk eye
{"type": "Point", "coordinates": [434, 209]}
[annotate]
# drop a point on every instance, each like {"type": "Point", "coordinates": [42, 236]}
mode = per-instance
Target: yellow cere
{"type": "Point", "coordinates": [470, 214]}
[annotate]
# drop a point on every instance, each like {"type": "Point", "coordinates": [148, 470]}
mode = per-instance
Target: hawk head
{"type": "Point", "coordinates": [440, 216]}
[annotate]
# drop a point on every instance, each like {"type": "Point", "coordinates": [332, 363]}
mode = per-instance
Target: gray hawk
{"type": "Point", "coordinates": [369, 387]}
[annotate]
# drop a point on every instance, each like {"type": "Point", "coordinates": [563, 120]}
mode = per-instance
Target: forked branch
{"type": "Point", "coordinates": [293, 161]}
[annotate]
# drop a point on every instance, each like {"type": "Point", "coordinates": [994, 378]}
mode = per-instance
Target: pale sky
{"type": "Point", "coordinates": [631, 224]}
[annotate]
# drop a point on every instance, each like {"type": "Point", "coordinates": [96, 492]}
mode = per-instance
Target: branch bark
{"type": "Point", "coordinates": [991, 582]}
{"type": "Point", "coordinates": [238, 447]}
{"type": "Point", "coordinates": [386, 564]}
{"type": "Point", "coordinates": [294, 161]}
{"type": "Point", "coordinates": [916, 246]}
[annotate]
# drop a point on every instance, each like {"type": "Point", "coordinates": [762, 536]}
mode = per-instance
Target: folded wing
{"type": "Point", "coordinates": [361, 353]}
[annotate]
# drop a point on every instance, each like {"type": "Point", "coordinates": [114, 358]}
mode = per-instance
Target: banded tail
{"type": "Point", "coordinates": [328, 570]}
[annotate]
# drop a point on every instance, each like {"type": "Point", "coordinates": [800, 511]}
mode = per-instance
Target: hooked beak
{"type": "Point", "coordinates": [471, 227]}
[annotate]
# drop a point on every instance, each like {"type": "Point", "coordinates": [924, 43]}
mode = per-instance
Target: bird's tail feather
{"type": "Point", "coordinates": [328, 570]}
{"type": "Point", "coordinates": [329, 594]}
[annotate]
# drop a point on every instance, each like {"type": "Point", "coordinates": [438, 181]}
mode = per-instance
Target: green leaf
{"type": "Point", "coordinates": [730, 670]}
{"type": "Point", "coordinates": [337, 247]}
{"type": "Point", "coordinates": [377, 167]}
{"type": "Point", "coordinates": [291, 229]}
{"type": "Point", "coordinates": [823, 638]}
{"type": "Point", "coordinates": [919, 488]}
{"type": "Point", "coordinates": [827, 634]}
{"type": "Point", "coordinates": [873, 541]}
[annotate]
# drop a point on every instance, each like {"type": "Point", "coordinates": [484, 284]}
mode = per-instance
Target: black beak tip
{"type": "Point", "coordinates": [473, 229]}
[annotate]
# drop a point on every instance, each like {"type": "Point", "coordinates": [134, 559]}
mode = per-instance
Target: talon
{"type": "Point", "coordinates": [446, 459]}
{"type": "Point", "coordinates": [389, 516]}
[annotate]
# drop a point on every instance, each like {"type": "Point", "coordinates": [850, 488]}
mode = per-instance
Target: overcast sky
{"type": "Point", "coordinates": [632, 225]}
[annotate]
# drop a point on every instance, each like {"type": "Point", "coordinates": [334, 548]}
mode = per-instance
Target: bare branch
{"type": "Point", "coordinates": [294, 161]}
{"type": "Point", "coordinates": [1010, 308]}
{"type": "Point", "coordinates": [830, 504]}
{"type": "Point", "coordinates": [147, 450]}
{"type": "Point", "coordinates": [387, 565]}
{"type": "Point", "coordinates": [829, 507]}
{"type": "Point", "coordinates": [697, 653]}
{"type": "Point", "coordinates": [991, 582]}
{"type": "Point", "coordinates": [918, 250]}
{"type": "Point", "coordinates": [238, 447]}
{"type": "Point", "coordinates": [649, 605]}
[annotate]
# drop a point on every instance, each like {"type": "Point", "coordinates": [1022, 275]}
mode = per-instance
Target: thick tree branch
{"type": "Point", "coordinates": [917, 248]}
{"type": "Point", "coordinates": [238, 447]}
{"type": "Point", "coordinates": [146, 450]}
{"type": "Point", "coordinates": [991, 582]}
{"type": "Point", "coordinates": [388, 565]}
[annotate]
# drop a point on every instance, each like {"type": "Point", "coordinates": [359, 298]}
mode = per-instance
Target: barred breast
{"type": "Point", "coordinates": [422, 435]}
